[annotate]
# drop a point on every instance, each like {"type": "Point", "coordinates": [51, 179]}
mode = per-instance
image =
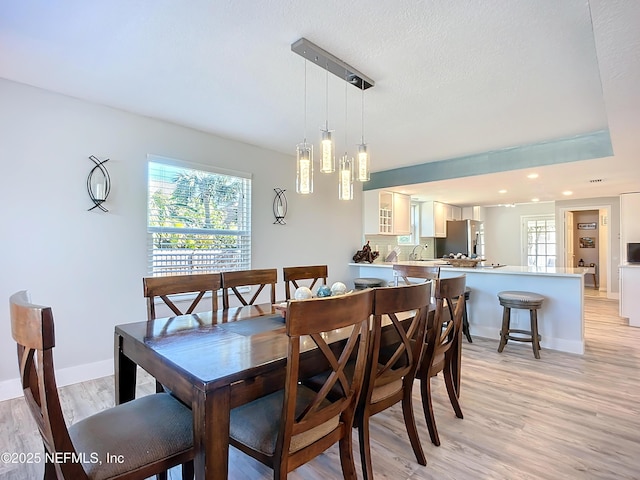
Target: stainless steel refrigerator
{"type": "Point", "coordinates": [463, 236]}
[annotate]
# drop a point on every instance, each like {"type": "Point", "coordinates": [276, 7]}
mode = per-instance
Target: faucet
{"type": "Point", "coordinates": [413, 255]}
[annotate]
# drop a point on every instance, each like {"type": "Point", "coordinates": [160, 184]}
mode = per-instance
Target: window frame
{"type": "Point", "coordinates": [525, 240]}
{"type": "Point", "coordinates": [243, 233]}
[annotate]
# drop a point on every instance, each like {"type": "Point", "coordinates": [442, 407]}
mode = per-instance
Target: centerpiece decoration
{"type": "Point", "coordinates": [365, 255]}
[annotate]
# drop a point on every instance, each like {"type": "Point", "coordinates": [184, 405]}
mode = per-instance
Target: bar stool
{"type": "Point", "coordinates": [523, 300]}
{"type": "Point", "coordinates": [367, 282]}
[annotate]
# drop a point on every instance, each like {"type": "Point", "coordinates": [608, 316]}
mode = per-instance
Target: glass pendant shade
{"type": "Point", "coordinates": [363, 163]}
{"type": "Point", "coordinates": [304, 163]}
{"type": "Point", "coordinates": [345, 178]}
{"type": "Point", "coordinates": [327, 152]}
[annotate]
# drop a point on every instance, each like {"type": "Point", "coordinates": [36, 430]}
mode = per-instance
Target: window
{"type": "Point", "coordinates": [199, 221]}
{"type": "Point", "coordinates": [414, 237]}
{"type": "Point", "coordinates": [540, 235]}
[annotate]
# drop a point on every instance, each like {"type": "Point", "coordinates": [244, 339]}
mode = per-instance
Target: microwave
{"type": "Point", "coordinates": [633, 252]}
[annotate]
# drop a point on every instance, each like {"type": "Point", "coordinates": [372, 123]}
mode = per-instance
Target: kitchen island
{"type": "Point", "coordinates": [560, 320]}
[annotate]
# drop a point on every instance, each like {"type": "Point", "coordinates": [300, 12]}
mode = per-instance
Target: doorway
{"type": "Point", "coordinates": [587, 245]}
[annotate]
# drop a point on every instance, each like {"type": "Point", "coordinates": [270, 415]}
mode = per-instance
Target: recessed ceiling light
{"type": "Point", "coordinates": [567, 192]}
{"type": "Point", "coordinates": [502, 191]}
{"type": "Point", "coordinates": [535, 199]}
{"type": "Point", "coordinates": [532, 175]}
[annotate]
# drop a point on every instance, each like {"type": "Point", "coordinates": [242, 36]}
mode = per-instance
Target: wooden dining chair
{"type": "Point", "coordinates": [232, 281]}
{"type": "Point", "coordinates": [391, 371]}
{"type": "Point", "coordinates": [165, 287]}
{"type": "Point", "coordinates": [405, 272]}
{"type": "Point", "coordinates": [292, 426]}
{"type": "Point", "coordinates": [428, 272]}
{"type": "Point", "coordinates": [442, 349]}
{"type": "Point", "coordinates": [148, 435]}
{"type": "Point", "coordinates": [292, 275]}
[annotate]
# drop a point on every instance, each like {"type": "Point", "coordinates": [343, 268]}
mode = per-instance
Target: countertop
{"type": "Point", "coordinates": [507, 269]}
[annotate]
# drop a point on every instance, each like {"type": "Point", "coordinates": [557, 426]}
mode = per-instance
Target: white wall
{"type": "Point", "coordinates": [503, 233]}
{"type": "Point", "coordinates": [502, 230]}
{"type": "Point", "coordinates": [88, 265]}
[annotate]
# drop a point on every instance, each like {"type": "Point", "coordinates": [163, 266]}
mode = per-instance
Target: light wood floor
{"type": "Point", "coordinates": [561, 417]}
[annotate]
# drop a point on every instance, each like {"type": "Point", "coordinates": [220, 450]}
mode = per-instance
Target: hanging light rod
{"type": "Point", "coordinates": [333, 64]}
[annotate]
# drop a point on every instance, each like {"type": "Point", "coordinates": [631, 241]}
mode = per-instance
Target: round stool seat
{"type": "Point", "coordinates": [518, 299]}
{"type": "Point", "coordinates": [526, 301]}
{"type": "Point", "coordinates": [367, 282]}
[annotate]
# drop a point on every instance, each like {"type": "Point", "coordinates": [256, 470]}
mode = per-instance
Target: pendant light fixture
{"type": "Point", "coordinates": [363, 155]}
{"type": "Point", "coordinates": [304, 153]}
{"type": "Point", "coordinates": [345, 173]}
{"type": "Point", "coordinates": [327, 148]}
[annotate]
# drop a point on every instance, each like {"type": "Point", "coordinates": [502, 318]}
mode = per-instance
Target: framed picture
{"type": "Point", "coordinates": [588, 226]}
{"type": "Point", "coordinates": [587, 242]}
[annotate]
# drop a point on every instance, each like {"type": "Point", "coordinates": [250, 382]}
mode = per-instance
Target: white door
{"type": "Point", "coordinates": [569, 260]}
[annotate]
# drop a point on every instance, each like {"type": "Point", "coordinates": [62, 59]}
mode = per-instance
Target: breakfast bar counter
{"type": "Point", "coordinates": [560, 320]}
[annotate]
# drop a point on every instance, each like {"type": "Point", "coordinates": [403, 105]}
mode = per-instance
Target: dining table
{"type": "Point", "coordinates": [213, 362]}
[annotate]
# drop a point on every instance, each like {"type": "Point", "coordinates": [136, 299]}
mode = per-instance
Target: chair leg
{"type": "Point", "coordinates": [504, 332]}
{"type": "Point", "coordinates": [365, 447]}
{"type": "Point", "coordinates": [49, 469]}
{"type": "Point", "coordinates": [451, 390]}
{"type": "Point", "coordinates": [455, 363]}
{"type": "Point", "coordinates": [187, 470]}
{"type": "Point", "coordinates": [465, 324]}
{"type": "Point", "coordinates": [427, 407]}
{"type": "Point", "coordinates": [346, 457]}
{"type": "Point", "coordinates": [412, 429]}
{"type": "Point", "coordinates": [535, 338]}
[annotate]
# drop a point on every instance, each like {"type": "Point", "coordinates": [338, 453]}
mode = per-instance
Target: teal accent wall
{"type": "Point", "coordinates": [571, 149]}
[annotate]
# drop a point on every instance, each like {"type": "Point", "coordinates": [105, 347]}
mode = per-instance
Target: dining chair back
{"type": "Point", "coordinates": [232, 281]}
{"type": "Point", "coordinates": [405, 272]}
{"type": "Point", "coordinates": [391, 369]}
{"type": "Point", "coordinates": [165, 287]}
{"type": "Point", "coordinates": [292, 275]}
{"type": "Point", "coordinates": [136, 432]}
{"type": "Point", "coordinates": [292, 426]}
{"type": "Point", "coordinates": [442, 349]}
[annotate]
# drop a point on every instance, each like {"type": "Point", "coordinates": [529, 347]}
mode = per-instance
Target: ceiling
{"type": "Point", "coordinates": [452, 79]}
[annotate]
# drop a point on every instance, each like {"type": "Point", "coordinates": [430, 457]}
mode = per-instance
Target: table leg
{"type": "Point", "coordinates": [211, 412]}
{"type": "Point", "coordinates": [124, 373]}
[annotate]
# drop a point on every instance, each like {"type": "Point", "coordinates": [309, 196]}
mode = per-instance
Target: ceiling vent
{"type": "Point", "coordinates": [596, 180]}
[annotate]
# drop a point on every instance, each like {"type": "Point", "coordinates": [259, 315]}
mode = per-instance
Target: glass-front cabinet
{"type": "Point", "coordinates": [386, 213]}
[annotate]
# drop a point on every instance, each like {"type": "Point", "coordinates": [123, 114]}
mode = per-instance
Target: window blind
{"type": "Point", "coordinates": [199, 221]}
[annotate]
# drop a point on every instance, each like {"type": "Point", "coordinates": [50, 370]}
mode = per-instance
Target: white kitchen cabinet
{"type": "Point", "coordinates": [386, 213]}
{"type": "Point", "coordinates": [433, 219]}
{"type": "Point", "coordinates": [473, 213]}
{"type": "Point", "coordinates": [629, 287]}
{"type": "Point", "coordinates": [451, 212]}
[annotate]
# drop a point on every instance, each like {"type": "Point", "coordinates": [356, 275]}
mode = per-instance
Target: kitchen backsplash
{"type": "Point", "coordinates": [385, 243]}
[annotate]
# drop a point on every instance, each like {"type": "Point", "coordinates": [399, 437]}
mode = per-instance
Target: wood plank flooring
{"type": "Point", "coordinates": [564, 416]}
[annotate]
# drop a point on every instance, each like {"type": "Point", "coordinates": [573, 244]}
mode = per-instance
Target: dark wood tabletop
{"type": "Point", "coordinates": [212, 362]}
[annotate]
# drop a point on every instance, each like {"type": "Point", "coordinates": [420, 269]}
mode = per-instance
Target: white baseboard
{"type": "Point", "coordinates": [65, 376]}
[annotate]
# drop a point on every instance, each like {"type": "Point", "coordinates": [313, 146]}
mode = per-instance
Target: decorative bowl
{"type": "Point", "coordinates": [463, 262]}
